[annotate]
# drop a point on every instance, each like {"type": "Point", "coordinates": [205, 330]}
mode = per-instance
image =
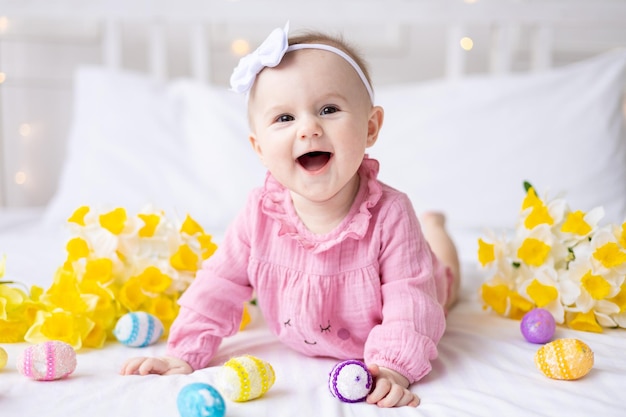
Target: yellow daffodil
{"type": "Point", "coordinates": [539, 214]}
{"type": "Point", "coordinates": [504, 301]}
{"type": "Point", "coordinates": [77, 248]}
{"type": "Point", "coordinates": [10, 300]}
{"type": "Point", "coordinates": [153, 281]}
{"type": "Point", "coordinates": [17, 313]}
{"type": "Point", "coordinates": [610, 255]}
{"type": "Point", "coordinates": [531, 199]}
{"type": "Point", "coordinates": [620, 298]}
{"type": "Point", "coordinates": [191, 227]}
{"type": "Point", "coordinates": [207, 246]}
{"type": "Point", "coordinates": [561, 260]}
{"type": "Point", "coordinates": [114, 221]}
{"type": "Point", "coordinates": [13, 331]}
{"type": "Point", "coordinates": [78, 216]}
{"type": "Point", "coordinates": [184, 259]}
{"type": "Point", "coordinates": [151, 221]}
{"type": "Point", "coordinates": [60, 325]}
{"type": "Point", "coordinates": [99, 270]}
{"type": "Point", "coordinates": [131, 295]}
{"type": "Point", "coordinates": [586, 322]}
{"type": "Point", "coordinates": [245, 317]}
{"type": "Point", "coordinates": [65, 294]}
{"type": "Point", "coordinates": [597, 287]}
{"type": "Point", "coordinates": [533, 252]}
{"type": "Point", "coordinates": [96, 337]}
{"type": "Point", "coordinates": [486, 252]}
{"type": "Point", "coordinates": [165, 308]}
{"type": "Point", "coordinates": [542, 294]}
{"type": "Point", "coordinates": [115, 264]}
{"type": "Point", "coordinates": [576, 224]}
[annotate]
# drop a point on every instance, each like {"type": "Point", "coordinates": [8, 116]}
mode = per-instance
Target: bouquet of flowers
{"type": "Point", "coordinates": [115, 264]}
{"type": "Point", "coordinates": [560, 260]}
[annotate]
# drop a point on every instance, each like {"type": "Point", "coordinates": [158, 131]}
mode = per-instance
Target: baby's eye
{"type": "Point", "coordinates": [329, 110]}
{"type": "Point", "coordinates": [284, 118]}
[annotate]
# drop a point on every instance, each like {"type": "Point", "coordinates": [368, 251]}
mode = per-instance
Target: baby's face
{"type": "Point", "coordinates": [311, 121]}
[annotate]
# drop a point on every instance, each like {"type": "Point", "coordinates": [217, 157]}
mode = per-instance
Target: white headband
{"type": "Point", "coordinates": [271, 52]}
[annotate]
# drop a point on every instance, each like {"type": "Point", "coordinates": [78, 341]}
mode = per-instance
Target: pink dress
{"type": "Point", "coordinates": [371, 289]}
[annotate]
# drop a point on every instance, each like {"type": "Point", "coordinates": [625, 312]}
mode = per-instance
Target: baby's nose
{"type": "Point", "coordinates": [309, 128]}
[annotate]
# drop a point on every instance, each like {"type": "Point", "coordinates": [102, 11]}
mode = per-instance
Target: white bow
{"type": "Point", "coordinates": [268, 54]}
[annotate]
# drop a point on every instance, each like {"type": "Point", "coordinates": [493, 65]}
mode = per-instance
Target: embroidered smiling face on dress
{"type": "Point", "coordinates": [311, 122]}
{"type": "Point", "coordinates": [326, 333]}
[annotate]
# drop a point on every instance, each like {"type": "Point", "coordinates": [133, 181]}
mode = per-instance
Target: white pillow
{"type": "Point", "coordinates": [466, 147]}
{"type": "Point", "coordinates": [463, 147]}
{"type": "Point", "coordinates": [215, 126]}
{"type": "Point", "coordinates": [132, 144]}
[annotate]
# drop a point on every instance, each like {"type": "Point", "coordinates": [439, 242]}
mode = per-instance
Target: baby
{"type": "Point", "coordinates": [339, 263]}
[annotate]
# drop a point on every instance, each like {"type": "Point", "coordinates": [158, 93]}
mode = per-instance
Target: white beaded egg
{"type": "Point", "coordinates": [138, 329]}
{"type": "Point", "coordinates": [350, 381]}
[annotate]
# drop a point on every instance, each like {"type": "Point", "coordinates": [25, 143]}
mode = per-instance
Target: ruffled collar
{"type": "Point", "coordinates": [276, 203]}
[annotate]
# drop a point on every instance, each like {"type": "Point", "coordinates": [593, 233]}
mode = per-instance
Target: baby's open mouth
{"type": "Point", "coordinates": [313, 161]}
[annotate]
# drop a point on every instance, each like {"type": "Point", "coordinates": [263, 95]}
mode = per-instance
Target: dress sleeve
{"type": "Point", "coordinates": [413, 317]}
{"type": "Point", "coordinates": [212, 307]}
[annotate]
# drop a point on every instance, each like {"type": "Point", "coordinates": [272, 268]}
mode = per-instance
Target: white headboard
{"type": "Point", "coordinates": [42, 42]}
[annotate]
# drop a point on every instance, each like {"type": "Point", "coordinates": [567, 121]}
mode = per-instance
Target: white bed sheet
{"type": "Point", "coordinates": [485, 367]}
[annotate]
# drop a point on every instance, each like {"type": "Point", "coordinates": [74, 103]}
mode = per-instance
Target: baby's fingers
{"type": "Point", "coordinates": [409, 399]}
{"type": "Point", "coordinates": [131, 366]}
{"type": "Point", "coordinates": [387, 395]}
{"type": "Point", "coordinates": [153, 366]}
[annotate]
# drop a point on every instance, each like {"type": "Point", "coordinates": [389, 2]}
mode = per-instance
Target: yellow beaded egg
{"type": "Point", "coordinates": [3, 358]}
{"type": "Point", "coordinates": [245, 378]}
{"type": "Point", "coordinates": [564, 359]}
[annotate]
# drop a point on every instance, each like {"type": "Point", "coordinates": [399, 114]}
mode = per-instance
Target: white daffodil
{"type": "Point", "coordinates": [559, 259]}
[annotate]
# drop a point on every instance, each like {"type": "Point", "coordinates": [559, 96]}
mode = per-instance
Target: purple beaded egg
{"type": "Point", "coordinates": [538, 326]}
{"type": "Point", "coordinates": [350, 381]}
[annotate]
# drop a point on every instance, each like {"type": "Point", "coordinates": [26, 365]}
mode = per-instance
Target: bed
{"type": "Point", "coordinates": [118, 104]}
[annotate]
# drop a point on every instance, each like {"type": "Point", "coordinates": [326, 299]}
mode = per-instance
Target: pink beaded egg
{"type": "Point", "coordinates": [47, 361]}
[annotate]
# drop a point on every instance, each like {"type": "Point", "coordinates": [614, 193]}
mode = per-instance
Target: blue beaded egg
{"type": "Point", "coordinates": [138, 329]}
{"type": "Point", "coordinates": [200, 400]}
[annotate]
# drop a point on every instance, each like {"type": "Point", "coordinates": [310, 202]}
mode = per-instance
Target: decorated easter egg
{"type": "Point", "coordinates": [350, 381]}
{"type": "Point", "coordinates": [3, 358]}
{"type": "Point", "coordinates": [245, 378]}
{"type": "Point", "coordinates": [47, 361]}
{"type": "Point", "coordinates": [564, 359]}
{"type": "Point", "coordinates": [138, 329]}
{"type": "Point", "coordinates": [200, 400]}
{"type": "Point", "coordinates": [538, 326]}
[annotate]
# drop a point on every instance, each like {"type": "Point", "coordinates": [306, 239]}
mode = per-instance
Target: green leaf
{"type": "Point", "coordinates": [527, 186]}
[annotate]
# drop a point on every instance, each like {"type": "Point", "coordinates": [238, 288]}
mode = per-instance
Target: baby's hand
{"type": "Point", "coordinates": [390, 389]}
{"type": "Point", "coordinates": [162, 366]}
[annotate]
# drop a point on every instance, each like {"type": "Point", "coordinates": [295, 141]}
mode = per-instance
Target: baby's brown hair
{"type": "Point", "coordinates": [336, 41]}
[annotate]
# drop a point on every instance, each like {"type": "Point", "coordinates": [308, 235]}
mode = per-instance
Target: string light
{"type": "Point", "coordinates": [20, 177]}
{"type": "Point", "coordinates": [470, 1]}
{"type": "Point", "coordinates": [4, 24]}
{"type": "Point", "coordinates": [467, 43]}
{"type": "Point", "coordinates": [3, 77]}
{"type": "Point", "coordinates": [25, 130]}
{"type": "Point", "coordinates": [240, 47]}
